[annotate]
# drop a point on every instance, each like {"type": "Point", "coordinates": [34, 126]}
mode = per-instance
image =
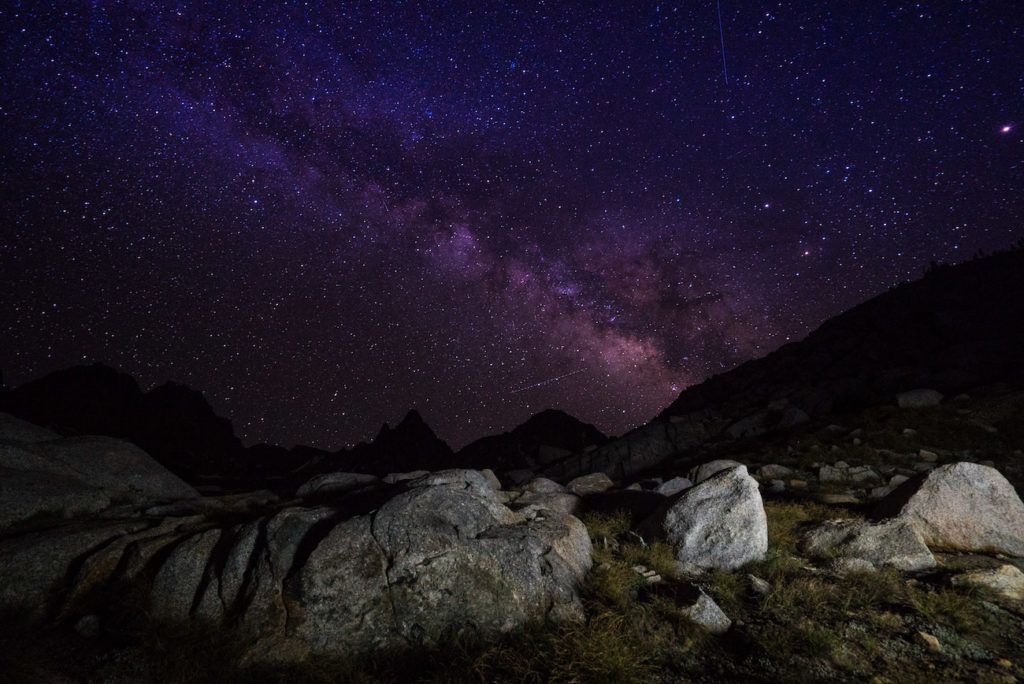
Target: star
{"type": "Point", "coordinates": [1006, 129]}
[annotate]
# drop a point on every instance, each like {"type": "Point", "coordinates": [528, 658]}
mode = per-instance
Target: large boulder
{"type": "Point", "coordinates": [435, 562]}
{"type": "Point", "coordinates": [719, 523]}
{"type": "Point", "coordinates": [894, 543]}
{"type": "Point", "coordinates": [961, 507]}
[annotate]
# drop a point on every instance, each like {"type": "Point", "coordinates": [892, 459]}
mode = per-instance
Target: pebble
{"type": "Point", "coordinates": [929, 641]}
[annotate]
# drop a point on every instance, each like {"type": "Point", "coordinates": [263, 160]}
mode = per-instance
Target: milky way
{"type": "Point", "coordinates": [321, 215]}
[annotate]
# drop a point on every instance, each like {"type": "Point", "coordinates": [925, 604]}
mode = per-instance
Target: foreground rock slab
{"type": "Point", "coordinates": [961, 507]}
{"type": "Point", "coordinates": [442, 558]}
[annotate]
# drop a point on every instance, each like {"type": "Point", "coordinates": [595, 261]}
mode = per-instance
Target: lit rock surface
{"type": "Point", "coordinates": [961, 507]}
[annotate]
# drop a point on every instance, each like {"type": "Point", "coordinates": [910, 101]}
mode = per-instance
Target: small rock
{"type": "Point", "coordinates": [673, 486]}
{"type": "Point", "coordinates": [919, 398]}
{"type": "Point", "coordinates": [857, 441]}
{"type": "Point", "coordinates": [774, 471]}
{"type": "Point", "coordinates": [759, 585]}
{"type": "Point", "coordinates": [706, 613]}
{"type": "Point", "coordinates": [1006, 580]}
{"type": "Point", "coordinates": [595, 483]}
{"type": "Point", "coordinates": [88, 626]}
{"type": "Point", "coordinates": [777, 486]}
{"type": "Point", "coordinates": [929, 641]}
{"type": "Point", "coordinates": [909, 432]}
{"type": "Point", "coordinates": [927, 456]}
{"type": "Point", "coordinates": [834, 473]}
{"type": "Point", "coordinates": [881, 492]}
{"type": "Point", "coordinates": [798, 484]}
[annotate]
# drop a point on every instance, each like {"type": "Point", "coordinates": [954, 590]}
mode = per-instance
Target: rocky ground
{"type": "Point", "coordinates": [881, 545]}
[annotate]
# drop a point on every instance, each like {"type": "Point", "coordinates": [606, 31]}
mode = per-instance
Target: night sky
{"type": "Point", "coordinates": [323, 214]}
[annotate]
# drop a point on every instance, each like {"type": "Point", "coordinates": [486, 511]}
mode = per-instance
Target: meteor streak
{"type": "Point", "coordinates": [546, 382]}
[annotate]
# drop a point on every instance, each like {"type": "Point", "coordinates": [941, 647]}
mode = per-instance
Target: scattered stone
{"type": "Point", "coordinates": [759, 585]}
{"type": "Point", "coordinates": [1006, 580]}
{"type": "Point", "coordinates": [774, 471]}
{"type": "Point", "coordinates": [706, 613]}
{"type": "Point", "coordinates": [861, 474]}
{"type": "Point", "coordinates": [798, 484]}
{"type": "Point", "coordinates": [927, 456]}
{"type": "Point", "coordinates": [777, 486]}
{"type": "Point", "coordinates": [881, 492]}
{"type": "Point", "coordinates": [719, 523]}
{"type": "Point", "coordinates": [919, 398]}
{"type": "Point", "coordinates": [88, 626]}
{"type": "Point", "coordinates": [595, 483]}
{"type": "Point", "coordinates": [706, 470]}
{"type": "Point", "coordinates": [834, 473]}
{"type": "Point", "coordinates": [894, 543]}
{"type": "Point", "coordinates": [909, 432]}
{"type": "Point", "coordinates": [961, 507]}
{"type": "Point", "coordinates": [929, 641]}
{"type": "Point", "coordinates": [673, 486]}
{"type": "Point", "coordinates": [650, 576]}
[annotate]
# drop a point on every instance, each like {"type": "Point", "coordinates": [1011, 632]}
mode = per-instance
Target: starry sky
{"type": "Point", "coordinates": [323, 214]}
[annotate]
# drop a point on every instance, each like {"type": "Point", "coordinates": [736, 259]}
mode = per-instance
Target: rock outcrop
{"type": "Point", "coordinates": [44, 475]}
{"type": "Point", "coordinates": [439, 558]}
